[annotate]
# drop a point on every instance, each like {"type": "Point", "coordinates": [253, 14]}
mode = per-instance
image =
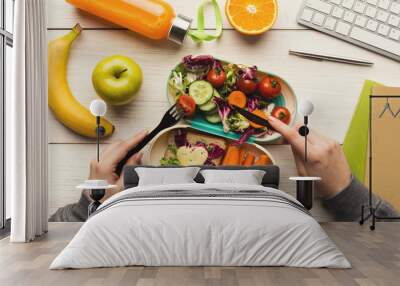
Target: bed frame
{"type": "Point", "coordinates": [270, 179]}
{"type": "Point", "coordinates": [304, 192]}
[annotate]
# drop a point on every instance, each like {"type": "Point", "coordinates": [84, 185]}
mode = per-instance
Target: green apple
{"type": "Point", "coordinates": [117, 79]}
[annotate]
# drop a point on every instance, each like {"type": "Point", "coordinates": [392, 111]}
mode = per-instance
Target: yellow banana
{"type": "Point", "coordinates": [61, 101]}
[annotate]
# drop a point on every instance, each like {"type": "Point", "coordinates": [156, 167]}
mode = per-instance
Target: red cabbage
{"type": "Point", "coordinates": [223, 111]}
{"type": "Point", "coordinates": [201, 144]}
{"type": "Point", "coordinates": [253, 103]}
{"type": "Point", "coordinates": [180, 138]}
{"type": "Point", "coordinates": [245, 136]}
{"type": "Point", "coordinates": [217, 65]}
{"type": "Point", "coordinates": [198, 63]}
{"type": "Point", "coordinates": [263, 132]}
{"type": "Point", "coordinates": [248, 73]}
{"type": "Point", "coordinates": [215, 151]}
{"type": "Point", "coordinates": [208, 162]}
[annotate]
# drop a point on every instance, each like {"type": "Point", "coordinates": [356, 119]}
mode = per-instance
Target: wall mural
{"type": "Point", "coordinates": [214, 112]}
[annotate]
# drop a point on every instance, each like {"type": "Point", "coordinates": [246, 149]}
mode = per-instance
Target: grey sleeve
{"type": "Point", "coordinates": [77, 212]}
{"type": "Point", "coordinates": [346, 206]}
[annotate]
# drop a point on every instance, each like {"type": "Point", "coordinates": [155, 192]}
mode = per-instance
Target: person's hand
{"type": "Point", "coordinates": [109, 159]}
{"type": "Point", "coordinates": [325, 158]}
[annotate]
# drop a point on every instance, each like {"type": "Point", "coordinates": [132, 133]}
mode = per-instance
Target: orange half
{"type": "Point", "coordinates": [251, 17]}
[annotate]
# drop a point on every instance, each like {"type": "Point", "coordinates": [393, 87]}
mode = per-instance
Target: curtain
{"type": "Point", "coordinates": [26, 124]}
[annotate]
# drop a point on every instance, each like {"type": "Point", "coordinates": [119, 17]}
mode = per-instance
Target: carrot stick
{"type": "Point", "coordinates": [249, 159]}
{"type": "Point", "coordinates": [242, 156]}
{"type": "Point", "coordinates": [232, 156]}
{"type": "Point", "coordinates": [237, 98]}
{"type": "Point", "coordinates": [263, 160]}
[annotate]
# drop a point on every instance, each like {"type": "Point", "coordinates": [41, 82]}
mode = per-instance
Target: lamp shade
{"type": "Point", "coordinates": [98, 107]}
{"type": "Point", "coordinates": [306, 107]}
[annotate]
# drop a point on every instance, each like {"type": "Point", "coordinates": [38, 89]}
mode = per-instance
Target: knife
{"type": "Point", "coordinates": [254, 118]}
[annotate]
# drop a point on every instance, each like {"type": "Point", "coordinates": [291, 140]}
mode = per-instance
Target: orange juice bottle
{"type": "Point", "coordinates": [154, 19]}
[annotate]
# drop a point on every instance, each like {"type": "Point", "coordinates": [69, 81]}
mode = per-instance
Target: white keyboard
{"type": "Point", "coordinates": [372, 24]}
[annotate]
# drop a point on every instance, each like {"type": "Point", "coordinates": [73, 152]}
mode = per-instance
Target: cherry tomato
{"type": "Point", "coordinates": [188, 104]}
{"type": "Point", "coordinates": [269, 87]}
{"type": "Point", "coordinates": [248, 86]}
{"type": "Point", "coordinates": [216, 77]}
{"type": "Point", "coordinates": [281, 113]}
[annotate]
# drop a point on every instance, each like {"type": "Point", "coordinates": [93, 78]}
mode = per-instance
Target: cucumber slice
{"type": "Point", "coordinates": [201, 91]}
{"type": "Point", "coordinates": [213, 118]}
{"type": "Point", "coordinates": [212, 111]}
{"type": "Point", "coordinates": [216, 93]}
{"type": "Point", "coordinates": [210, 105]}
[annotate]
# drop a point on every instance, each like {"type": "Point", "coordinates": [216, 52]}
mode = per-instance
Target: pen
{"type": "Point", "coordinates": [332, 58]}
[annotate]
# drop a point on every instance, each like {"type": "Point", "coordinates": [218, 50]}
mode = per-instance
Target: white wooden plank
{"type": "Point", "coordinates": [334, 88]}
{"type": "Point", "coordinates": [63, 15]}
{"type": "Point", "coordinates": [69, 166]}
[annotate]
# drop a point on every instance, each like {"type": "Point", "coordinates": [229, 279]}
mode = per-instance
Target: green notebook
{"type": "Point", "coordinates": [355, 143]}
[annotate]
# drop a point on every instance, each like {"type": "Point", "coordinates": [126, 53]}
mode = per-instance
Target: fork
{"type": "Point", "coordinates": [170, 118]}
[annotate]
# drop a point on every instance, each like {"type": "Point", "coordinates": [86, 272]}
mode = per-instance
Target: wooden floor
{"type": "Point", "coordinates": [375, 257]}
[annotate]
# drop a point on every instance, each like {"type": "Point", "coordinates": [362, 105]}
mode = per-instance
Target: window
{"type": "Point", "coordinates": [6, 44]}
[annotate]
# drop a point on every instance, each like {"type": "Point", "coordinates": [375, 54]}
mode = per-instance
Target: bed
{"type": "Point", "coordinates": [201, 224]}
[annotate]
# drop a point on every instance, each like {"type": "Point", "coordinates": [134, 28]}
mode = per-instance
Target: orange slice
{"type": "Point", "coordinates": [251, 17]}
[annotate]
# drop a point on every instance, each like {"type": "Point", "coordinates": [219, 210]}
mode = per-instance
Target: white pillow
{"type": "Point", "coordinates": [245, 177]}
{"type": "Point", "coordinates": [166, 176]}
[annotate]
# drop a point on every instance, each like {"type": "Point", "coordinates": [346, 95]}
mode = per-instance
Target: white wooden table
{"type": "Point", "coordinates": [334, 88]}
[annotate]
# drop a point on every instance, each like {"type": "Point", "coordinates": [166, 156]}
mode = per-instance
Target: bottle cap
{"type": "Point", "coordinates": [179, 28]}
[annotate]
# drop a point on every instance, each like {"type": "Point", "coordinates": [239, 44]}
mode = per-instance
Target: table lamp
{"type": "Point", "coordinates": [97, 188]}
{"type": "Point", "coordinates": [305, 185]}
{"type": "Point", "coordinates": [98, 108]}
{"type": "Point", "coordinates": [306, 108]}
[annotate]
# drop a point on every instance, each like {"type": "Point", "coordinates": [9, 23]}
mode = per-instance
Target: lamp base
{"type": "Point", "coordinates": [305, 193]}
{"type": "Point", "coordinates": [96, 195]}
{"type": "Point", "coordinates": [97, 190]}
{"type": "Point", "coordinates": [305, 190]}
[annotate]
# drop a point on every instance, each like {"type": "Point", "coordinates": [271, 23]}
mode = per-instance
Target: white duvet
{"type": "Point", "coordinates": [204, 231]}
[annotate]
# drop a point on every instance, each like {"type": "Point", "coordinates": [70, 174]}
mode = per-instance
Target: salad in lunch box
{"type": "Point", "coordinates": [206, 85]}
